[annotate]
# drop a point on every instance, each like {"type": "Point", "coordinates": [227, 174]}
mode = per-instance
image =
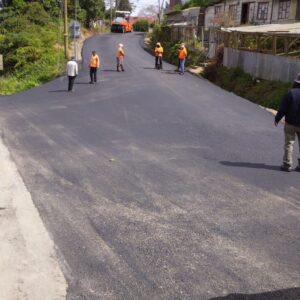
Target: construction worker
{"type": "Point", "coordinates": [120, 58]}
{"type": "Point", "coordinates": [94, 66]}
{"type": "Point", "coordinates": [159, 50]}
{"type": "Point", "coordinates": [182, 45]}
{"type": "Point", "coordinates": [182, 53]}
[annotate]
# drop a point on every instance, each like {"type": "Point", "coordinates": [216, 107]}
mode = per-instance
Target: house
{"type": "Point", "coordinates": [240, 12]}
{"type": "Point", "coordinates": [149, 19]}
{"type": "Point", "coordinates": [189, 16]}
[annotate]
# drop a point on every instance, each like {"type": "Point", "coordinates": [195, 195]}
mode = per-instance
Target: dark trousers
{"type": "Point", "coordinates": [158, 62]}
{"type": "Point", "coordinates": [71, 82]}
{"type": "Point", "coordinates": [120, 64]}
{"type": "Point", "coordinates": [93, 74]}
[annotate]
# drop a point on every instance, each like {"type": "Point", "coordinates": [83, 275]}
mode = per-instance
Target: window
{"type": "Point", "coordinates": [262, 11]}
{"type": "Point", "coordinates": [284, 9]}
{"type": "Point", "coordinates": [233, 11]}
{"type": "Point", "coordinates": [218, 11]}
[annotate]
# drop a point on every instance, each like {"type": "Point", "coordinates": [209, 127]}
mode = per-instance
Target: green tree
{"type": "Point", "coordinates": [123, 5]}
{"type": "Point", "coordinates": [141, 25]}
{"type": "Point", "coordinates": [202, 3]}
{"type": "Point", "coordinates": [94, 9]}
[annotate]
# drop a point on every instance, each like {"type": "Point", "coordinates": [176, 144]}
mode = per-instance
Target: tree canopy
{"type": "Point", "coordinates": [123, 5]}
{"type": "Point", "coordinates": [202, 3]}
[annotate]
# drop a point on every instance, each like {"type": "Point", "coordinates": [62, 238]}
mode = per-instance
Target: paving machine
{"type": "Point", "coordinates": [122, 22]}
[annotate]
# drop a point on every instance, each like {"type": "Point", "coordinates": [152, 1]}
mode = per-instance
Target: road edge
{"type": "Point", "coordinates": [29, 266]}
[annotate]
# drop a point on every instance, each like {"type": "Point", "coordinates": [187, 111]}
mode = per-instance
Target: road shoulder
{"type": "Point", "coordinates": [29, 267]}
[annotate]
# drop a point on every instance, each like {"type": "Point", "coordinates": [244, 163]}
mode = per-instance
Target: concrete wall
{"type": "Point", "coordinates": [261, 65]}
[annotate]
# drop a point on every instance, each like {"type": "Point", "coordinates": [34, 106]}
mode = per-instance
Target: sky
{"type": "Point", "coordinates": [143, 3]}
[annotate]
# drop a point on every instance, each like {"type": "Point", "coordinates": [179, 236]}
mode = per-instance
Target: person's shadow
{"type": "Point", "coordinates": [286, 294]}
{"type": "Point", "coordinates": [250, 165]}
{"type": "Point", "coordinates": [58, 91]}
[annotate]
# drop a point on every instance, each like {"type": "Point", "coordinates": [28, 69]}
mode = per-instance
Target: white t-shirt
{"type": "Point", "coordinates": [72, 68]}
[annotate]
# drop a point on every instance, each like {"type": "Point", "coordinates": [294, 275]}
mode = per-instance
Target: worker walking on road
{"type": "Point", "coordinates": [120, 58]}
{"type": "Point", "coordinates": [290, 109]}
{"type": "Point", "coordinates": [94, 66]}
{"type": "Point", "coordinates": [182, 53]}
{"type": "Point", "coordinates": [159, 50]}
{"type": "Point", "coordinates": [72, 71]}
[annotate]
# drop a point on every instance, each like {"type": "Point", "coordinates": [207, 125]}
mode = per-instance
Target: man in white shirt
{"type": "Point", "coordinates": [72, 71]}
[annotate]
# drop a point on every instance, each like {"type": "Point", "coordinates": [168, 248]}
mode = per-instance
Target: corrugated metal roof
{"type": "Point", "coordinates": [291, 28]}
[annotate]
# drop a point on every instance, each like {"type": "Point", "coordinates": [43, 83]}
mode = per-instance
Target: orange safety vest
{"type": "Point", "coordinates": [120, 52]}
{"type": "Point", "coordinates": [182, 53]}
{"type": "Point", "coordinates": [159, 51]}
{"type": "Point", "coordinates": [94, 61]}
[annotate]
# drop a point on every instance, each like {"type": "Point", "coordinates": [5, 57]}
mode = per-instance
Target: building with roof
{"type": "Point", "coordinates": [241, 12]}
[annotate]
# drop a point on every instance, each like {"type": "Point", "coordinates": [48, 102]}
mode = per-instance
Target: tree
{"type": "Point", "coordinates": [150, 10]}
{"type": "Point", "coordinates": [94, 9]}
{"type": "Point", "coordinates": [123, 5]}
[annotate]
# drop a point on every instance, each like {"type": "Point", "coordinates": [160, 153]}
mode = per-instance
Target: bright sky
{"type": "Point", "coordinates": [143, 3]}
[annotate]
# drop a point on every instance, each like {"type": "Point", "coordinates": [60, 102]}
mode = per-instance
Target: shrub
{"type": "Point", "coordinates": [141, 25]}
{"type": "Point", "coordinates": [28, 42]}
{"type": "Point", "coordinates": [263, 92]}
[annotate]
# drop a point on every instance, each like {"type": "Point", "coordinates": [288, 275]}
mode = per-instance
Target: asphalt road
{"type": "Point", "coordinates": [157, 186]}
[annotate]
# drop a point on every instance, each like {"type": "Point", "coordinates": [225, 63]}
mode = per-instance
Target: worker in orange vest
{"type": "Point", "coordinates": [120, 58]}
{"type": "Point", "coordinates": [159, 50]}
{"type": "Point", "coordinates": [182, 53]}
{"type": "Point", "coordinates": [94, 66]}
{"type": "Point", "coordinates": [182, 45]}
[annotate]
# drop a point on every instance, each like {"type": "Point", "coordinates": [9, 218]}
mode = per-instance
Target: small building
{"type": "Point", "coordinates": [189, 16]}
{"type": "Point", "coordinates": [258, 12]}
{"type": "Point", "coordinates": [149, 19]}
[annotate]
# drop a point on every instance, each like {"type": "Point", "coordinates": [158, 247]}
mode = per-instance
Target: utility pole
{"type": "Point", "coordinates": [66, 28]}
{"type": "Point", "coordinates": [161, 4]}
{"type": "Point", "coordinates": [110, 5]}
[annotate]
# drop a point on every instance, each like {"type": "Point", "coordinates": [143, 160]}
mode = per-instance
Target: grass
{"type": "Point", "coordinates": [263, 92]}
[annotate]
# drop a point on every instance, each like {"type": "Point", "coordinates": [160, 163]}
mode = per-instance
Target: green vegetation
{"type": "Point", "coordinates": [123, 5]}
{"type": "Point", "coordinates": [162, 34]}
{"type": "Point", "coordinates": [31, 39]}
{"type": "Point", "coordinates": [30, 46]}
{"type": "Point", "coordinates": [141, 25]}
{"type": "Point", "coordinates": [195, 3]}
{"type": "Point", "coordinates": [263, 92]}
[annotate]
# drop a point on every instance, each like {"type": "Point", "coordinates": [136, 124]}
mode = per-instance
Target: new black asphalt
{"type": "Point", "coordinates": [155, 185]}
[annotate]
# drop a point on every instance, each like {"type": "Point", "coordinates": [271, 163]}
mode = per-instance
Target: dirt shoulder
{"type": "Point", "coordinates": [29, 267]}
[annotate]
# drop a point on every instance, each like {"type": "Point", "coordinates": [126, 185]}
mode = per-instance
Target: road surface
{"type": "Point", "coordinates": [157, 186]}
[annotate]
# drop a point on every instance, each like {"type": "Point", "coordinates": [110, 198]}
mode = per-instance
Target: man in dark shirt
{"type": "Point", "coordinates": [290, 109]}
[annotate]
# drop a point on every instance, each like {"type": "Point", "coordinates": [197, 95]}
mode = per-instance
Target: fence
{"type": "Point", "coordinates": [260, 65]}
{"type": "Point", "coordinates": [204, 38]}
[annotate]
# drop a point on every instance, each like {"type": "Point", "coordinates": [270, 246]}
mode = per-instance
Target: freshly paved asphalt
{"type": "Point", "coordinates": [155, 185]}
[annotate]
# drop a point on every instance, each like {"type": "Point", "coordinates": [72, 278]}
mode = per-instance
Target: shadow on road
{"type": "Point", "coordinates": [85, 82]}
{"type": "Point", "coordinates": [149, 68]}
{"type": "Point", "coordinates": [287, 294]}
{"type": "Point", "coordinates": [58, 91]}
{"type": "Point", "coordinates": [250, 165]}
{"type": "Point", "coordinates": [108, 70]}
